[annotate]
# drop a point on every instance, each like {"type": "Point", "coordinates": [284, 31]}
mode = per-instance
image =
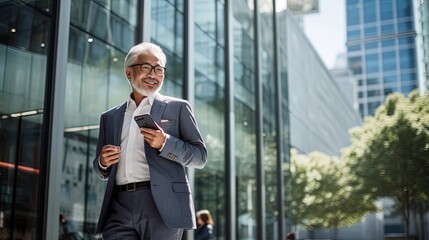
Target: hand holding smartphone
{"type": "Point", "coordinates": [146, 121]}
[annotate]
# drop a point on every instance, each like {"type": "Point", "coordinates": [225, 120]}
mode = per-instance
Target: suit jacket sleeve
{"type": "Point", "coordinates": [187, 147]}
{"type": "Point", "coordinates": [103, 174]}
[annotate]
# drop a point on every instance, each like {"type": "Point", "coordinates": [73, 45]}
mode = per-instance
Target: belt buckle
{"type": "Point", "coordinates": [131, 187]}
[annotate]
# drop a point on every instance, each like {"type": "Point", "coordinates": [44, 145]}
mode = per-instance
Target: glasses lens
{"type": "Point", "coordinates": [159, 70]}
{"type": "Point", "coordinates": [146, 68]}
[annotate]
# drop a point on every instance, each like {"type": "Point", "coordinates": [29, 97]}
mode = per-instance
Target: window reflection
{"type": "Point", "coordinates": [167, 30]}
{"type": "Point", "coordinates": [244, 106]}
{"type": "Point", "coordinates": [101, 33]}
{"type": "Point", "coordinates": [209, 108]}
{"type": "Point", "coordinates": [269, 121]}
{"type": "Point", "coordinates": [24, 42]}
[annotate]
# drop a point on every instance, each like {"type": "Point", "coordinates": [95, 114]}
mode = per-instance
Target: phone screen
{"type": "Point", "coordinates": [146, 121]}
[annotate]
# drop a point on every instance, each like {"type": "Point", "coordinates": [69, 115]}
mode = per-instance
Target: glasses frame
{"type": "Point", "coordinates": [151, 68]}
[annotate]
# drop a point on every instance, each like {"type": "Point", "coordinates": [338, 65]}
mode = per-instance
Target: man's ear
{"type": "Point", "coordinates": [128, 73]}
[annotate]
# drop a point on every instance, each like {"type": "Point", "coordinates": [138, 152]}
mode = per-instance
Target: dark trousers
{"type": "Point", "coordinates": [134, 215]}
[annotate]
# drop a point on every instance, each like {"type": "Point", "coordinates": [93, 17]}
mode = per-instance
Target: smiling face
{"type": "Point", "coordinates": [144, 83]}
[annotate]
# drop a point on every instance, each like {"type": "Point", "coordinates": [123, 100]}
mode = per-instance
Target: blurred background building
{"type": "Point", "coordinates": [382, 49]}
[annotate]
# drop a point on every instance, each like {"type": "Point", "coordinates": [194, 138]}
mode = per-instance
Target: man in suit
{"type": "Point", "coordinates": [148, 194]}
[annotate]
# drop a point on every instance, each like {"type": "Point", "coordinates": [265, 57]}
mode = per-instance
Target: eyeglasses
{"type": "Point", "coordinates": [147, 68]}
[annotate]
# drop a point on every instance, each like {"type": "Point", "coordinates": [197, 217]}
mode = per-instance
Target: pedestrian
{"type": "Point", "coordinates": [205, 224]}
{"type": "Point", "coordinates": [290, 236]}
{"type": "Point", "coordinates": [68, 229]}
{"type": "Point", "coordinates": [148, 195]}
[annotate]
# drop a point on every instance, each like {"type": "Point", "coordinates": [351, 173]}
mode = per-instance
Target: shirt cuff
{"type": "Point", "coordinates": [101, 166]}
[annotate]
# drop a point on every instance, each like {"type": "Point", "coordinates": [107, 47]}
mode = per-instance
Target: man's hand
{"type": "Point", "coordinates": [109, 155]}
{"type": "Point", "coordinates": [155, 138]}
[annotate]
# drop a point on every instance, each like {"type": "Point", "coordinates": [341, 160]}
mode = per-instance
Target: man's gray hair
{"type": "Point", "coordinates": [144, 47]}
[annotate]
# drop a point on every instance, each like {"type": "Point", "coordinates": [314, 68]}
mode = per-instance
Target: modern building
{"type": "Point", "coordinates": [61, 66]}
{"type": "Point", "coordinates": [382, 49]}
{"type": "Point", "coordinates": [345, 79]}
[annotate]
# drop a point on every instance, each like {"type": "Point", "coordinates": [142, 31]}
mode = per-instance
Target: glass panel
{"type": "Point", "coordinates": [389, 79]}
{"type": "Point", "coordinates": [406, 88]}
{"type": "Point", "coordinates": [355, 64]}
{"type": "Point", "coordinates": [371, 62]}
{"type": "Point", "coordinates": [353, 48]}
{"type": "Point", "coordinates": [407, 58]}
{"type": "Point", "coordinates": [389, 61]}
{"type": "Point", "coordinates": [24, 44]}
{"type": "Point", "coordinates": [353, 34]}
{"type": "Point", "coordinates": [353, 17]}
{"type": "Point", "coordinates": [386, 9]}
{"type": "Point", "coordinates": [80, 209]}
{"type": "Point", "coordinates": [406, 26]}
{"type": "Point", "coordinates": [269, 119]}
{"type": "Point", "coordinates": [369, 11]}
{"type": "Point", "coordinates": [372, 81]}
{"type": "Point", "coordinates": [404, 9]}
{"type": "Point", "coordinates": [388, 43]}
{"type": "Point", "coordinates": [209, 109]}
{"type": "Point", "coordinates": [371, 32]}
{"type": "Point", "coordinates": [371, 45]}
{"type": "Point", "coordinates": [390, 90]}
{"type": "Point", "coordinates": [244, 101]}
{"type": "Point", "coordinates": [387, 29]}
{"type": "Point", "coordinates": [285, 137]}
{"type": "Point", "coordinates": [374, 93]}
{"type": "Point", "coordinates": [167, 30]}
{"type": "Point", "coordinates": [98, 41]}
{"type": "Point", "coordinates": [372, 106]}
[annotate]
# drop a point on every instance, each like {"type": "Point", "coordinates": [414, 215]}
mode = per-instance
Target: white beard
{"type": "Point", "coordinates": [142, 91]}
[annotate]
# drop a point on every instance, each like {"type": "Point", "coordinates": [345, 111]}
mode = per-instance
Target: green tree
{"type": "Point", "coordinates": [322, 196]}
{"type": "Point", "coordinates": [389, 154]}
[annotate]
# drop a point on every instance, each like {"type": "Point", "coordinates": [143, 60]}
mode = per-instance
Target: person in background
{"type": "Point", "coordinates": [205, 225]}
{"type": "Point", "coordinates": [290, 236]}
{"type": "Point", "coordinates": [148, 195]}
{"type": "Point", "coordinates": [68, 230]}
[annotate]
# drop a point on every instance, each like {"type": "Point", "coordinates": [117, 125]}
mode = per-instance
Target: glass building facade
{"type": "Point", "coordinates": [61, 66]}
{"type": "Point", "coordinates": [382, 49]}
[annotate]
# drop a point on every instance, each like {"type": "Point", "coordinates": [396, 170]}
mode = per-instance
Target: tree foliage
{"type": "Point", "coordinates": [322, 195]}
{"type": "Point", "coordinates": [389, 154]}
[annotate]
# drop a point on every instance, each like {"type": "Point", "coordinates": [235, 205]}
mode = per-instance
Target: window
{"type": "Point", "coordinates": [353, 8]}
{"type": "Point", "coordinates": [371, 62]}
{"type": "Point", "coordinates": [386, 9]}
{"type": "Point", "coordinates": [369, 11]}
{"type": "Point", "coordinates": [403, 8]}
{"type": "Point", "coordinates": [389, 61]}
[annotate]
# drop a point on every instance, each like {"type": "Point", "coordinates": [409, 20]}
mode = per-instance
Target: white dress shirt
{"type": "Point", "coordinates": [133, 166]}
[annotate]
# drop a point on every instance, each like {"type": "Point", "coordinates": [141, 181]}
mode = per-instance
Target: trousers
{"type": "Point", "coordinates": [134, 216]}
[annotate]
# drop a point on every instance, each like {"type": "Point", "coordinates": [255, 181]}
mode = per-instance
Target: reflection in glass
{"type": "Point", "coordinates": [24, 44]}
{"type": "Point", "coordinates": [167, 30]}
{"type": "Point", "coordinates": [209, 109]}
{"type": "Point", "coordinates": [269, 121]}
{"type": "Point", "coordinates": [245, 128]}
{"type": "Point", "coordinates": [101, 33]}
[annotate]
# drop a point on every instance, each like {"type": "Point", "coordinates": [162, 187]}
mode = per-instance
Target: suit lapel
{"type": "Point", "coordinates": [158, 108]}
{"type": "Point", "coordinates": [118, 120]}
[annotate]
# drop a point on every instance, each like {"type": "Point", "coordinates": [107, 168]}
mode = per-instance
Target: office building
{"type": "Point", "coordinates": [382, 50]}
{"type": "Point", "coordinates": [61, 66]}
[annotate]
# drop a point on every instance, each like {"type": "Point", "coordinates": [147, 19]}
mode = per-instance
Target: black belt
{"type": "Point", "coordinates": [132, 186]}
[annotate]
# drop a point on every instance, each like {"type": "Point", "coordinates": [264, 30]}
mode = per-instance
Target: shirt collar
{"type": "Point", "coordinates": [151, 99]}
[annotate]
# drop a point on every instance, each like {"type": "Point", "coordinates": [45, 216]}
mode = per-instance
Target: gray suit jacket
{"type": "Point", "coordinates": [169, 183]}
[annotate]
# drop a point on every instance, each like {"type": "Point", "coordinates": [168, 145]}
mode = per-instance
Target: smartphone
{"type": "Point", "coordinates": [146, 121]}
